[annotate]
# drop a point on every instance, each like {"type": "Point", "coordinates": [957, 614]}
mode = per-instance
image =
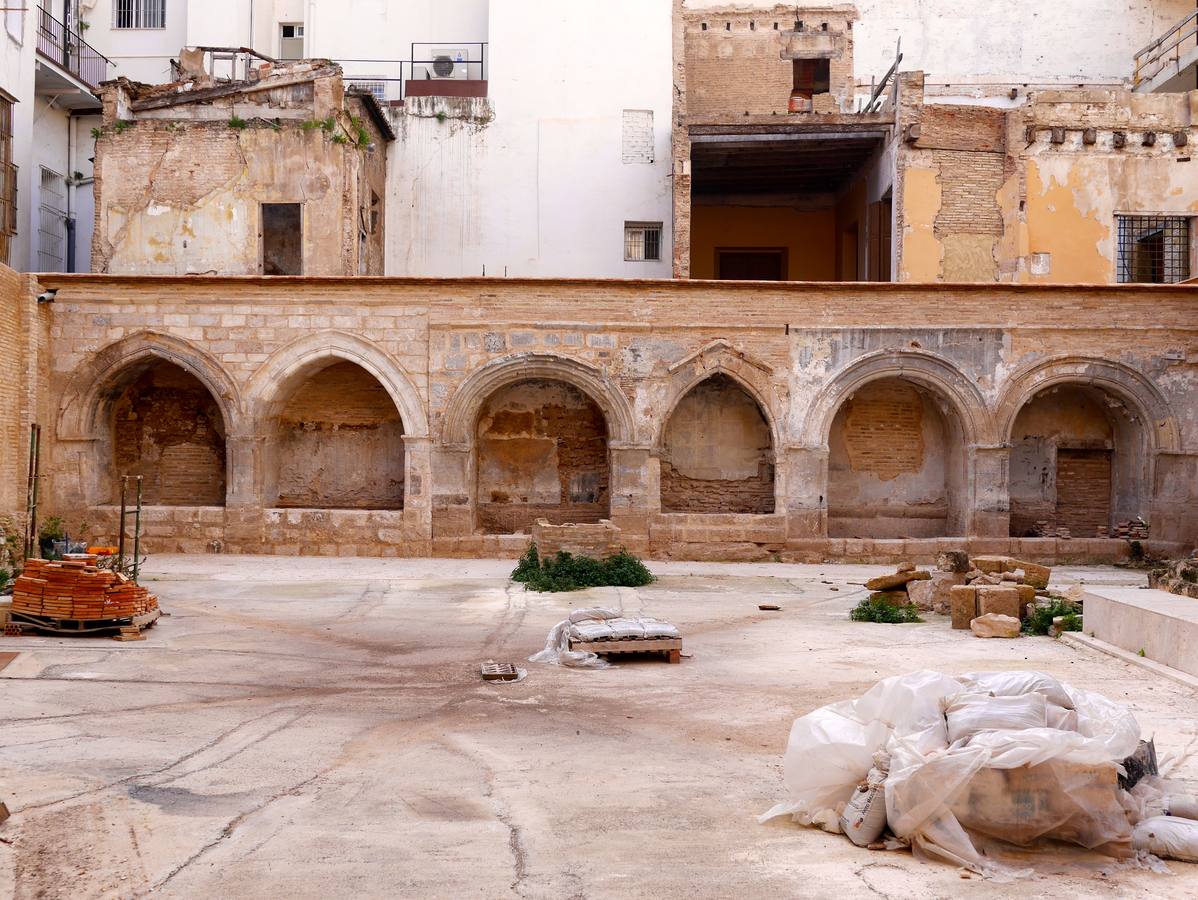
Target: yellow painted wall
{"type": "Point", "coordinates": [808, 235]}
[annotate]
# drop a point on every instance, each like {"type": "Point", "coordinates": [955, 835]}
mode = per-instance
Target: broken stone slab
{"type": "Point", "coordinates": [897, 580]}
{"type": "Point", "coordinates": [1003, 601]}
{"type": "Point", "coordinates": [934, 593]}
{"type": "Point", "coordinates": [905, 567]}
{"type": "Point", "coordinates": [1033, 574]}
{"type": "Point", "coordinates": [964, 605]}
{"type": "Point", "coordinates": [993, 625]}
{"type": "Point", "coordinates": [953, 561]}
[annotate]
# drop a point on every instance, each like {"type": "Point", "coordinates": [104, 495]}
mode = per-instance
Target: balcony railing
{"type": "Point", "coordinates": [1167, 50]}
{"type": "Point", "coordinates": [446, 68]}
{"type": "Point", "coordinates": [68, 50]}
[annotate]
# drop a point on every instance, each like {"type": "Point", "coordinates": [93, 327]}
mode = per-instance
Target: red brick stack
{"type": "Point", "coordinates": [76, 590]}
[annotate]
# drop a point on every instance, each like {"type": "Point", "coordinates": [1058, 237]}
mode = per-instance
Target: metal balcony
{"type": "Point", "coordinates": [70, 52]}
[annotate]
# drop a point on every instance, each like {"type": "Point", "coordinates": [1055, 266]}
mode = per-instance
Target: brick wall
{"type": "Point", "coordinates": [637, 139]}
{"type": "Point", "coordinates": [1083, 490]}
{"type": "Point", "coordinates": [17, 348]}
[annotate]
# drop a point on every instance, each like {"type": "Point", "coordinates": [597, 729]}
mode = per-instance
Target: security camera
{"type": "Point", "coordinates": [47, 296]}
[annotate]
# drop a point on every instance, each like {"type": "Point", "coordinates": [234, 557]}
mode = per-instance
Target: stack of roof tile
{"type": "Point", "coordinates": [77, 590]}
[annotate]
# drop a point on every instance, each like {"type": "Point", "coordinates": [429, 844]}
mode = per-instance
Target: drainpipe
{"type": "Point", "coordinates": [251, 44]}
{"type": "Point", "coordinates": [70, 186]}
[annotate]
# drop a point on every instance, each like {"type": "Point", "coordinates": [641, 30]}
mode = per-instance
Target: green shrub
{"type": "Point", "coordinates": [1041, 619]}
{"type": "Point", "coordinates": [880, 611]}
{"type": "Point", "coordinates": [5, 575]}
{"type": "Point", "coordinates": [236, 122]}
{"type": "Point", "coordinates": [566, 572]}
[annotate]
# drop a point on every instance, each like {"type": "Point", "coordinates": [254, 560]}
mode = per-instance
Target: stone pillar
{"type": "Point", "coordinates": [417, 504]}
{"type": "Point", "coordinates": [451, 471]}
{"type": "Point", "coordinates": [635, 490]}
{"type": "Point", "coordinates": [988, 491]}
{"type": "Point", "coordinates": [803, 476]}
{"type": "Point", "coordinates": [243, 482]}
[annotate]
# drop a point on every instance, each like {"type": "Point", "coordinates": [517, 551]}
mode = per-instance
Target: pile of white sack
{"type": "Point", "coordinates": [593, 625]}
{"type": "Point", "coordinates": [962, 768]}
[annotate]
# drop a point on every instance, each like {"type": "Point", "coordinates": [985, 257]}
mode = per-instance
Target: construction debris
{"type": "Point", "coordinates": [993, 625]}
{"type": "Point", "coordinates": [968, 768]}
{"type": "Point", "coordinates": [1178, 577]}
{"type": "Point", "coordinates": [587, 634]}
{"type": "Point", "coordinates": [77, 590]}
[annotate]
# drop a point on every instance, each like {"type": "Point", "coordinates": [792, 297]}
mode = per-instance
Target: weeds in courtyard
{"type": "Point", "coordinates": [1040, 621]}
{"type": "Point", "coordinates": [565, 572]}
{"type": "Point", "coordinates": [887, 613]}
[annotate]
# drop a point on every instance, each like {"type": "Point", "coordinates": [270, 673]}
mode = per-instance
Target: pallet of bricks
{"type": "Point", "coordinates": [77, 590]}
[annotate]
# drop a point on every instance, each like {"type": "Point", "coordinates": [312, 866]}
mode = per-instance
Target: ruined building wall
{"type": "Point", "coordinates": [339, 443]}
{"type": "Point", "coordinates": [521, 397]}
{"type": "Point", "coordinates": [717, 456]}
{"type": "Point", "coordinates": [180, 183]}
{"type": "Point", "coordinates": [741, 62]}
{"type": "Point", "coordinates": [542, 454]}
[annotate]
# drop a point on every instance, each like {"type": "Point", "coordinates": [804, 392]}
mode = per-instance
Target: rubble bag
{"type": "Point", "coordinates": [864, 816]}
{"type": "Point", "coordinates": [968, 714]}
{"type": "Point", "coordinates": [1168, 837]}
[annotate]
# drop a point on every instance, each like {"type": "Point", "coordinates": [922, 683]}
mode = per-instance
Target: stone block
{"type": "Point", "coordinates": [897, 580]}
{"type": "Point", "coordinates": [1027, 594]}
{"type": "Point", "coordinates": [1003, 601]}
{"type": "Point", "coordinates": [964, 605]}
{"type": "Point", "coordinates": [993, 625]}
{"type": "Point", "coordinates": [1035, 575]}
{"type": "Point", "coordinates": [952, 561]}
{"type": "Point", "coordinates": [921, 594]}
{"type": "Point", "coordinates": [991, 564]}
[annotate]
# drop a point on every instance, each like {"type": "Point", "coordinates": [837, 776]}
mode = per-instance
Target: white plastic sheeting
{"type": "Point", "coordinates": [935, 782]}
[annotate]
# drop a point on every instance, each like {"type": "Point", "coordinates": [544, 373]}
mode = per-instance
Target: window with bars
{"type": "Point", "coordinates": [642, 241]}
{"type": "Point", "coordinates": [139, 14]}
{"type": "Point", "coordinates": [378, 88]}
{"type": "Point", "coordinates": [8, 180]}
{"type": "Point", "coordinates": [1153, 249]}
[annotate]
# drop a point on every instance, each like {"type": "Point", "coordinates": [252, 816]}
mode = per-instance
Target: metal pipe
{"type": "Point", "coordinates": [120, 544]}
{"type": "Point", "coordinates": [137, 533]}
{"type": "Point", "coordinates": [35, 433]}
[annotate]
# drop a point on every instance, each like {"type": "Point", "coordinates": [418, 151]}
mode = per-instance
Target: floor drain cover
{"type": "Point", "coordinates": [493, 671]}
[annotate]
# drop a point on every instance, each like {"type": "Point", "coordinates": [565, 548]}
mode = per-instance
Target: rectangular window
{"type": "Point", "coordinates": [1153, 249]}
{"type": "Point", "coordinates": [139, 14]}
{"type": "Point", "coordinates": [8, 180]}
{"type": "Point", "coordinates": [812, 76]}
{"type": "Point", "coordinates": [282, 239]}
{"type": "Point", "coordinates": [291, 41]}
{"type": "Point", "coordinates": [642, 241]}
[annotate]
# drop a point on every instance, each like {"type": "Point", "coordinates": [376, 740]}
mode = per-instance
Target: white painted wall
{"type": "Point", "coordinates": [1003, 41]}
{"type": "Point", "coordinates": [542, 190]}
{"type": "Point", "coordinates": [16, 78]}
{"type": "Point", "coordinates": [141, 54]}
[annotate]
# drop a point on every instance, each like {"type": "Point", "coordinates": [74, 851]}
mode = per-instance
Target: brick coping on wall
{"type": "Point", "coordinates": [52, 280]}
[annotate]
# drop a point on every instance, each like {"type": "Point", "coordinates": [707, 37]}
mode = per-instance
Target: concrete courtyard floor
{"type": "Point", "coordinates": [318, 728]}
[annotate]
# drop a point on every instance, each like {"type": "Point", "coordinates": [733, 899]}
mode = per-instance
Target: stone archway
{"type": "Point", "coordinates": [898, 428]}
{"type": "Point", "coordinates": [1083, 434]}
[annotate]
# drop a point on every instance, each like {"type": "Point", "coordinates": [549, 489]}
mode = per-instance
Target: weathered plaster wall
{"type": "Point", "coordinates": [179, 189]}
{"type": "Point", "coordinates": [443, 350]}
{"type": "Point", "coordinates": [542, 454]}
{"type": "Point", "coordinates": [895, 465]}
{"type": "Point", "coordinates": [717, 456]}
{"type": "Point", "coordinates": [20, 337]}
{"type": "Point", "coordinates": [808, 237]}
{"type": "Point", "coordinates": [339, 443]}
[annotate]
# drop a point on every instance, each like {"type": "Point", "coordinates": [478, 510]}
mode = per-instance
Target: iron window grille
{"type": "Point", "coordinates": [1153, 249]}
{"type": "Point", "coordinates": [642, 241]}
{"type": "Point", "coordinates": [139, 14]}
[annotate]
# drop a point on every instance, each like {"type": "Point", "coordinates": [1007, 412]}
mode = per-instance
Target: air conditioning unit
{"type": "Point", "coordinates": [448, 63]}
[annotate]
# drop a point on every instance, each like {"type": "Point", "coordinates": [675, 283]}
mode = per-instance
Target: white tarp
{"type": "Point", "coordinates": [830, 751]}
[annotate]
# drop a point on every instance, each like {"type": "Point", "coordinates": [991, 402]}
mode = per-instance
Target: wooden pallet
{"type": "Point", "coordinates": [672, 647]}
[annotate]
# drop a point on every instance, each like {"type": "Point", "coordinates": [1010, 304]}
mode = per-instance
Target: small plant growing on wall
{"type": "Point", "coordinates": [122, 125]}
{"type": "Point", "coordinates": [340, 139]}
{"type": "Point", "coordinates": [96, 134]}
{"type": "Point", "coordinates": [236, 122]}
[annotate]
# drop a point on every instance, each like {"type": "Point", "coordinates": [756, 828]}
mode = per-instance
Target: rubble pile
{"type": "Point", "coordinates": [1132, 530]}
{"type": "Point", "coordinates": [77, 590]}
{"type": "Point", "coordinates": [1178, 577]}
{"type": "Point", "coordinates": [979, 769]}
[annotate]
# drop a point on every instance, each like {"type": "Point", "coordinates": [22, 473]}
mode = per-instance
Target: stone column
{"type": "Point", "coordinates": [451, 500]}
{"type": "Point", "coordinates": [417, 505]}
{"type": "Point", "coordinates": [242, 478]}
{"type": "Point", "coordinates": [988, 491]}
{"type": "Point", "coordinates": [1173, 513]}
{"type": "Point", "coordinates": [804, 482]}
{"type": "Point", "coordinates": [635, 492]}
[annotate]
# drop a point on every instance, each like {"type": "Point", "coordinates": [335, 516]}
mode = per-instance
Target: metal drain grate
{"type": "Point", "coordinates": [493, 671]}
